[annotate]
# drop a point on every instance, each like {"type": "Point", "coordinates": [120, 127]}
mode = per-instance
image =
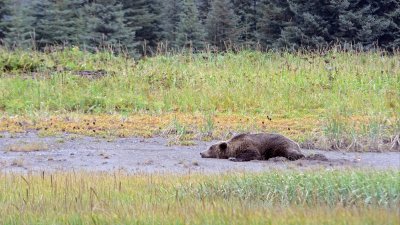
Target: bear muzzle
{"type": "Point", "coordinates": [204, 154]}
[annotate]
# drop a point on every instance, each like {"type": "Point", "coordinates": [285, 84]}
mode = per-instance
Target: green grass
{"type": "Point", "coordinates": [354, 96]}
{"type": "Point", "coordinates": [319, 197]}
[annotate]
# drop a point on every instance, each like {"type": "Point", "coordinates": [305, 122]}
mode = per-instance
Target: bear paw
{"type": "Point", "coordinates": [233, 159]}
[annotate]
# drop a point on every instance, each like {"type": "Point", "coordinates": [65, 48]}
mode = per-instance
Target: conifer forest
{"type": "Point", "coordinates": [142, 27]}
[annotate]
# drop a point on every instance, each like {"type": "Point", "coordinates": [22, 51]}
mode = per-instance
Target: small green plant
{"type": "Point", "coordinates": [19, 62]}
{"type": "Point", "coordinates": [208, 127]}
{"type": "Point", "coordinates": [178, 133]}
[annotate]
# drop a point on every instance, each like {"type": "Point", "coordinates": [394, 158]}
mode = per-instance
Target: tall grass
{"type": "Point", "coordinates": [354, 94]}
{"type": "Point", "coordinates": [274, 198]}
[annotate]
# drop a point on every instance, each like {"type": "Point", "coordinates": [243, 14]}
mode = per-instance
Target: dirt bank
{"type": "Point", "coordinates": [28, 152]}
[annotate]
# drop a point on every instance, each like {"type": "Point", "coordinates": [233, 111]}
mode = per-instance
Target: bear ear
{"type": "Point", "coordinates": [223, 146]}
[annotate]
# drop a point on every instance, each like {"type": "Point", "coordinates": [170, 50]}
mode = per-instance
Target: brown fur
{"type": "Point", "coordinates": [261, 146]}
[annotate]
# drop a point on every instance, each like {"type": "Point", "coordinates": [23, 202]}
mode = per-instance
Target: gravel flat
{"type": "Point", "coordinates": [153, 155]}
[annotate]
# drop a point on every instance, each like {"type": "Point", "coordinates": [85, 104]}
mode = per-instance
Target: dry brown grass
{"type": "Point", "coordinates": [183, 128]}
{"type": "Point", "coordinates": [27, 147]}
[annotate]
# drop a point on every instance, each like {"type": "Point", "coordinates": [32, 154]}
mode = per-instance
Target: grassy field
{"type": "Point", "coordinates": [276, 197]}
{"type": "Point", "coordinates": [335, 100]}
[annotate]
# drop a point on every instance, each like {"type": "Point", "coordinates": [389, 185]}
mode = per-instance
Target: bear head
{"type": "Point", "coordinates": [219, 150]}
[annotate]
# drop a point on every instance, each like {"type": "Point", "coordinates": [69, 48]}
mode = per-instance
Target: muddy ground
{"type": "Point", "coordinates": [137, 155]}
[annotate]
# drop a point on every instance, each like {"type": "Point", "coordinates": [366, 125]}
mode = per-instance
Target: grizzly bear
{"type": "Point", "coordinates": [260, 146]}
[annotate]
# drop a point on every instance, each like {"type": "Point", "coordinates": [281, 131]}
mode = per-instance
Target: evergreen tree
{"type": "Point", "coordinates": [321, 23]}
{"type": "Point", "coordinates": [106, 27]}
{"type": "Point", "coordinates": [391, 38]}
{"type": "Point", "coordinates": [247, 13]}
{"type": "Point", "coordinates": [275, 15]}
{"type": "Point", "coordinates": [20, 31]}
{"type": "Point", "coordinates": [203, 8]}
{"type": "Point", "coordinates": [190, 30]}
{"type": "Point", "coordinates": [221, 24]}
{"type": "Point", "coordinates": [46, 22]}
{"type": "Point", "coordinates": [41, 13]}
{"type": "Point", "coordinates": [141, 16]}
{"type": "Point", "coordinates": [3, 14]}
{"type": "Point", "coordinates": [170, 19]}
{"type": "Point", "coordinates": [67, 24]}
{"type": "Point", "coordinates": [314, 24]}
{"type": "Point", "coordinates": [371, 23]}
{"type": "Point", "coordinates": [151, 32]}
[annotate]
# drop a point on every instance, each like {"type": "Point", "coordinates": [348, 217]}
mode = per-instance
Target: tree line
{"type": "Point", "coordinates": [142, 26]}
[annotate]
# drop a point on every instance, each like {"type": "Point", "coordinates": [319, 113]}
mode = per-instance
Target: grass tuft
{"type": "Point", "coordinates": [27, 147]}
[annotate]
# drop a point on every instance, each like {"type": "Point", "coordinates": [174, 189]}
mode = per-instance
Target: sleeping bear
{"type": "Point", "coordinates": [260, 146]}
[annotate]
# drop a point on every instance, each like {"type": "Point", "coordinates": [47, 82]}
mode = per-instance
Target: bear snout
{"type": "Point", "coordinates": [204, 154]}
